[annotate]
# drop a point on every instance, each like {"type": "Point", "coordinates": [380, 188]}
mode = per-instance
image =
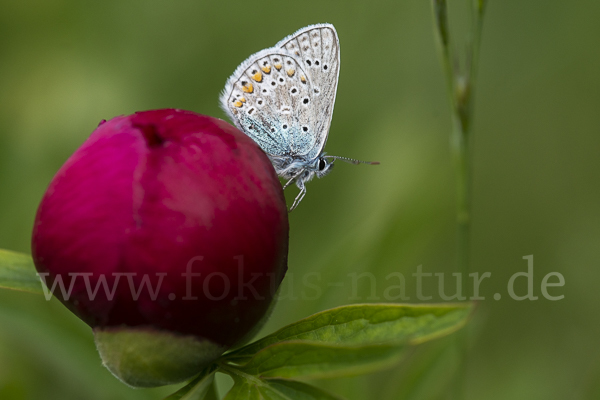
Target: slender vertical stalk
{"type": "Point", "coordinates": [461, 84]}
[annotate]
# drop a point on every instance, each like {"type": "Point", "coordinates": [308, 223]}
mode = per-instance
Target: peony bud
{"type": "Point", "coordinates": [167, 233]}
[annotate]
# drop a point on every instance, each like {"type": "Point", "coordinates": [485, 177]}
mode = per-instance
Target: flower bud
{"type": "Point", "coordinates": [167, 233]}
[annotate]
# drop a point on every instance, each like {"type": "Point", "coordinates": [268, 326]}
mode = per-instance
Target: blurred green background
{"type": "Point", "coordinates": [65, 65]}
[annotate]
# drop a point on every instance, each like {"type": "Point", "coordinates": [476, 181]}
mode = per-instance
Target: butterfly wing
{"type": "Point", "coordinates": [268, 98]}
{"type": "Point", "coordinates": [317, 49]}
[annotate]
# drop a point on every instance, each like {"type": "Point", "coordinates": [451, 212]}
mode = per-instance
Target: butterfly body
{"type": "Point", "coordinates": [283, 98]}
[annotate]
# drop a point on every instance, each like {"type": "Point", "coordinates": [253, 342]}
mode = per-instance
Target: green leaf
{"type": "Point", "coordinates": [367, 324]}
{"type": "Point", "coordinates": [198, 389]}
{"type": "Point", "coordinates": [298, 390]}
{"type": "Point", "coordinates": [243, 389]}
{"type": "Point", "coordinates": [18, 272]}
{"type": "Point", "coordinates": [212, 393]}
{"type": "Point", "coordinates": [251, 388]}
{"type": "Point", "coordinates": [313, 360]}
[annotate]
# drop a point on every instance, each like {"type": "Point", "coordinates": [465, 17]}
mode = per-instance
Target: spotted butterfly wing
{"type": "Point", "coordinates": [282, 97]}
{"type": "Point", "coordinates": [317, 48]}
{"type": "Point", "coordinates": [267, 97]}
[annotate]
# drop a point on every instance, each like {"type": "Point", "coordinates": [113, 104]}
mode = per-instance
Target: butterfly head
{"type": "Point", "coordinates": [323, 166]}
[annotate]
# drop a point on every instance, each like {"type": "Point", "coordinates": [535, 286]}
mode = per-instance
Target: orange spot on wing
{"type": "Point", "coordinates": [257, 77]}
{"type": "Point", "coordinates": [277, 67]}
{"type": "Point", "coordinates": [266, 69]}
{"type": "Point", "coordinates": [248, 88]}
{"type": "Point", "coordinates": [303, 79]}
{"type": "Point", "coordinates": [291, 72]}
{"type": "Point", "coordinates": [237, 103]}
{"type": "Point", "coordinates": [243, 99]}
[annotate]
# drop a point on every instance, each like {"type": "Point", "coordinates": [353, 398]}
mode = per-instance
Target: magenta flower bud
{"type": "Point", "coordinates": [167, 233]}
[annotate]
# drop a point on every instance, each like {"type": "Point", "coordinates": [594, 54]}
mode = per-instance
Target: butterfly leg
{"type": "Point", "coordinates": [288, 182]}
{"type": "Point", "coordinates": [298, 198]}
{"type": "Point", "coordinates": [292, 179]}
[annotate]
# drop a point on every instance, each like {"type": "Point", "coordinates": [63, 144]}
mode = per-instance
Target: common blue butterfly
{"type": "Point", "coordinates": [283, 98]}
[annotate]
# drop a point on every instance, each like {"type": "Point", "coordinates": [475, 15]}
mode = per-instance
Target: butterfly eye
{"type": "Point", "coordinates": [322, 164]}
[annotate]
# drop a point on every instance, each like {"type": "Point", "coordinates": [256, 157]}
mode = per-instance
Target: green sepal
{"type": "Point", "coordinates": [147, 357]}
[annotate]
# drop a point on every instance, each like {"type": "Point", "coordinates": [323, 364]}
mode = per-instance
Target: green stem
{"type": "Point", "coordinates": [463, 211]}
{"type": "Point", "coordinates": [461, 85]}
{"type": "Point", "coordinates": [460, 147]}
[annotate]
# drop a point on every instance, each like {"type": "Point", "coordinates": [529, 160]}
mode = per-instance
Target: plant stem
{"type": "Point", "coordinates": [460, 147]}
{"type": "Point", "coordinates": [461, 86]}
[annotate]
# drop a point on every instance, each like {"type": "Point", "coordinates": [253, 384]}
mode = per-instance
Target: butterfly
{"type": "Point", "coordinates": [283, 97]}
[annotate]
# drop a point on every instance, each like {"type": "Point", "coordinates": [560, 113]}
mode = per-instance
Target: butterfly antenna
{"type": "Point", "coordinates": [352, 160]}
